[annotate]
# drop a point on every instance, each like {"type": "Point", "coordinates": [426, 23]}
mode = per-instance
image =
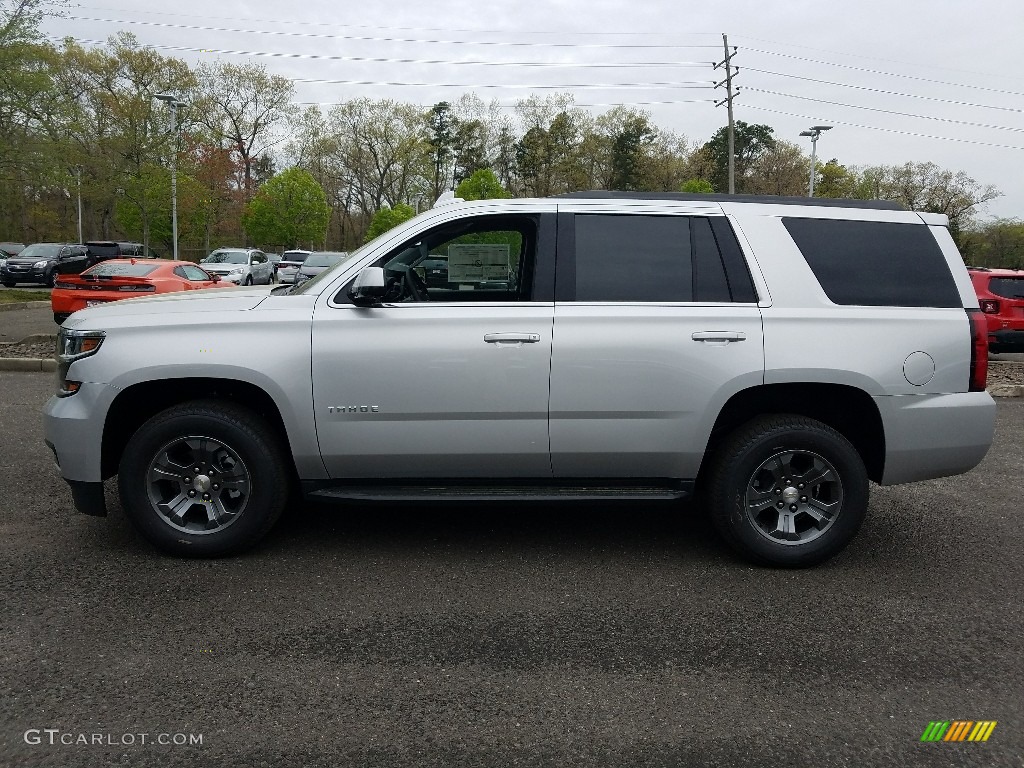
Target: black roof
{"type": "Point", "coordinates": [718, 197]}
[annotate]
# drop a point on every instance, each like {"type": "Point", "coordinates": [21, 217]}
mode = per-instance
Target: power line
{"type": "Point", "coordinates": [889, 111]}
{"type": "Point", "coordinates": [678, 84]}
{"type": "Point", "coordinates": [880, 72]}
{"type": "Point", "coordinates": [378, 39]}
{"type": "Point", "coordinates": [870, 58]}
{"type": "Point", "coordinates": [882, 90]}
{"type": "Point", "coordinates": [386, 60]}
{"type": "Point", "coordinates": [395, 29]}
{"type": "Point", "coordinates": [886, 130]}
{"type": "Point", "coordinates": [513, 106]}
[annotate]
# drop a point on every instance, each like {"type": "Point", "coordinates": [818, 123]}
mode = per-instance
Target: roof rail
{"type": "Point", "coordinates": [718, 197]}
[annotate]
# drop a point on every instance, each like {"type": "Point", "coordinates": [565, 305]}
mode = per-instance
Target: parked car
{"type": "Point", "coordinates": [289, 265]}
{"type": "Point", "coordinates": [242, 266]}
{"type": "Point", "coordinates": [41, 263]}
{"type": "Point", "coordinates": [117, 279]}
{"type": "Point", "coordinates": [317, 262]}
{"type": "Point", "coordinates": [1001, 298]}
{"type": "Point", "coordinates": [11, 249]}
{"type": "Point", "coordinates": [768, 353]}
{"type": "Point", "coordinates": [101, 250]}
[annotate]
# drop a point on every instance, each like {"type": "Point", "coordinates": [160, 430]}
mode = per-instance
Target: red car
{"type": "Point", "coordinates": [1001, 298]}
{"type": "Point", "coordinates": [126, 279]}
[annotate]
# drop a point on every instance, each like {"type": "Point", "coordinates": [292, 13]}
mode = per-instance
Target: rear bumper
{"type": "Point", "coordinates": [929, 436]}
{"type": "Point", "coordinates": [1007, 339]}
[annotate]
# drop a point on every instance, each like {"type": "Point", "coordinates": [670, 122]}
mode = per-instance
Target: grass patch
{"type": "Point", "coordinates": [15, 295]}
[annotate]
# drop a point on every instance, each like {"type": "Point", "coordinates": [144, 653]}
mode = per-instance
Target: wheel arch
{"type": "Point", "coordinates": [848, 410]}
{"type": "Point", "coordinates": [138, 403]}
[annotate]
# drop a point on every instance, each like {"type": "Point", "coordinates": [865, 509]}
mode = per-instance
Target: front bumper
{"type": "Point", "coordinates": [22, 276]}
{"type": "Point", "coordinates": [929, 436]}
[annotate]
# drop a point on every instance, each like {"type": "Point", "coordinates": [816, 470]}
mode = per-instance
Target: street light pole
{"type": "Point", "coordinates": [173, 103]}
{"type": "Point", "coordinates": [814, 133]}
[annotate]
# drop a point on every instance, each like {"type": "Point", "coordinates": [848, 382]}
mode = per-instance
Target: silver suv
{"type": "Point", "coordinates": [768, 356]}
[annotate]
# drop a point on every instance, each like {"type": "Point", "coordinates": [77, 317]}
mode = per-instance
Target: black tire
{"type": "Point", "coordinates": [745, 491]}
{"type": "Point", "coordinates": [248, 280]}
{"type": "Point", "coordinates": [244, 437]}
{"type": "Point", "coordinates": [51, 278]}
{"type": "Point", "coordinates": [60, 317]}
{"type": "Point", "coordinates": [9, 285]}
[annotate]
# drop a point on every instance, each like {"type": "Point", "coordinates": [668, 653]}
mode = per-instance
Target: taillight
{"type": "Point", "coordinates": [979, 351]}
{"type": "Point", "coordinates": [989, 306]}
{"type": "Point", "coordinates": [137, 288]}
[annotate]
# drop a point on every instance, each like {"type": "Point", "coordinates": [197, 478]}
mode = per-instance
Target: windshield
{"type": "Point", "coordinates": [324, 259]}
{"type": "Point", "coordinates": [41, 251]}
{"type": "Point", "coordinates": [227, 257]}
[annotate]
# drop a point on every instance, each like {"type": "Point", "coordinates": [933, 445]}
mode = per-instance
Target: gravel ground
{"type": "Point", "coordinates": [39, 350]}
{"type": "Point", "coordinates": [1005, 373]}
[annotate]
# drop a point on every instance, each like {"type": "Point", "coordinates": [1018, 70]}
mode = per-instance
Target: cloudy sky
{"type": "Point", "coordinates": [921, 80]}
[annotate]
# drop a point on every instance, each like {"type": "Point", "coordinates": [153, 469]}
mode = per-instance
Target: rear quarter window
{"type": "Point", "coordinates": [875, 263]}
{"type": "Point", "coordinates": [1007, 287]}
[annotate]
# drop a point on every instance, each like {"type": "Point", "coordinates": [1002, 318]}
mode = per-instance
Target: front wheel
{"type": "Point", "coordinates": [51, 279]}
{"type": "Point", "coordinates": [788, 490]}
{"type": "Point", "coordinates": [204, 479]}
{"type": "Point", "coordinates": [248, 280]}
{"type": "Point", "coordinates": [9, 285]}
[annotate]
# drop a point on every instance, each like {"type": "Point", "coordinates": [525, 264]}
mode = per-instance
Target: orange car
{"type": "Point", "coordinates": [126, 279]}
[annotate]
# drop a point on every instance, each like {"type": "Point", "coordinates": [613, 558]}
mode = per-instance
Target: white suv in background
{"type": "Point", "coordinates": [289, 265]}
{"type": "Point", "coordinates": [766, 356]}
{"type": "Point", "coordinates": [242, 266]}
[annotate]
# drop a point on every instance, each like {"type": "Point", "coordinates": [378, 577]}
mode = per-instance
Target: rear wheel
{"type": "Point", "coordinates": [788, 490]}
{"type": "Point", "coordinates": [204, 479]}
{"type": "Point", "coordinates": [60, 317]}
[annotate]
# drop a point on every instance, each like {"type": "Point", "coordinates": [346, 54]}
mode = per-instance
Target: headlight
{"type": "Point", "coordinates": [237, 271]}
{"type": "Point", "coordinates": [40, 264]}
{"type": "Point", "coordinates": [71, 346]}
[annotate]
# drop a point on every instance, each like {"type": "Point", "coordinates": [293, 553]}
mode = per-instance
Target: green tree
{"type": "Point", "coordinates": [482, 185]}
{"type": "Point", "coordinates": [697, 186]}
{"type": "Point", "coordinates": [388, 218]}
{"type": "Point", "coordinates": [750, 143]}
{"type": "Point", "coordinates": [289, 209]}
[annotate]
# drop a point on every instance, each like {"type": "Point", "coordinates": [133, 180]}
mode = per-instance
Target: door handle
{"type": "Point", "coordinates": [719, 336]}
{"type": "Point", "coordinates": [511, 338]}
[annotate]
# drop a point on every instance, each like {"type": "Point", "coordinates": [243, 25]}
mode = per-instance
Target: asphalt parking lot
{"type": "Point", "coordinates": [505, 635]}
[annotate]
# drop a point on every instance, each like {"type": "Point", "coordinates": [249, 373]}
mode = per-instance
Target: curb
{"type": "Point", "coordinates": [27, 364]}
{"type": "Point", "coordinates": [38, 338]}
{"type": "Point", "coordinates": [23, 305]}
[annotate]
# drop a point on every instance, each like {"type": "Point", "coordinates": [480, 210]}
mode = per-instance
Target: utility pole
{"type": "Point", "coordinates": [729, 96]}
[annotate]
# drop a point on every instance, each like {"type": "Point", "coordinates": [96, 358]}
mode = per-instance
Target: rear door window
{"type": "Point", "coordinates": [875, 263]}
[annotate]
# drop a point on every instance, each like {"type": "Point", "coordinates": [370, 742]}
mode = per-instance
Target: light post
{"type": "Point", "coordinates": [174, 103]}
{"type": "Point", "coordinates": [814, 133]}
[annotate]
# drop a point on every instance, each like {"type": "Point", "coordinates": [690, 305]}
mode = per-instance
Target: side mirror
{"type": "Point", "coordinates": [368, 287]}
{"type": "Point", "coordinates": [214, 277]}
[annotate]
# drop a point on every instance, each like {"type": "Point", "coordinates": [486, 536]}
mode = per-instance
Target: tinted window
{"type": "Point", "coordinates": [323, 259]}
{"type": "Point", "coordinates": [875, 263]}
{"type": "Point", "coordinates": [125, 269]}
{"type": "Point", "coordinates": [1007, 287]}
{"type": "Point", "coordinates": [633, 258]}
{"type": "Point", "coordinates": [709, 272]}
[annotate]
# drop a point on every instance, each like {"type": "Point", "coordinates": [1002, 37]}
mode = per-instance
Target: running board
{"type": "Point", "coordinates": [352, 492]}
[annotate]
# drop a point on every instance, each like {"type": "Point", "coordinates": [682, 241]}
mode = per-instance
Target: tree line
{"type": "Point", "coordinates": [255, 168]}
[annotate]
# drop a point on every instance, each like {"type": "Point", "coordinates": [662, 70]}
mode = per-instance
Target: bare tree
{"type": "Point", "coordinates": [244, 107]}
